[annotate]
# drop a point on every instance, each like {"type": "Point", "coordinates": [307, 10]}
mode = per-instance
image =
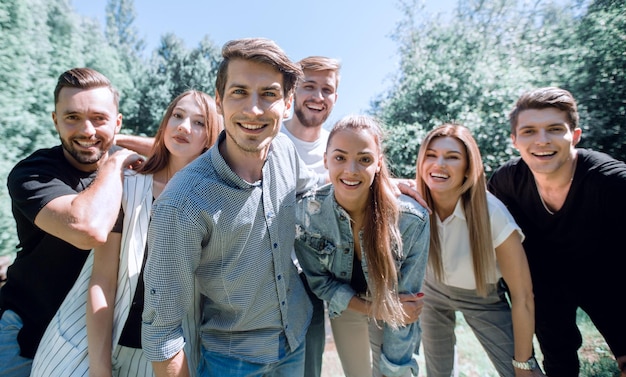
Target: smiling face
{"type": "Point", "coordinates": [352, 159]}
{"type": "Point", "coordinates": [315, 97]}
{"type": "Point", "coordinates": [87, 121]}
{"type": "Point", "coordinates": [545, 141]}
{"type": "Point", "coordinates": [185, 134]}
{"type": "Point", "coordinates": [445, 165]}
{"type": "Point", "coordinates": [253, 106]}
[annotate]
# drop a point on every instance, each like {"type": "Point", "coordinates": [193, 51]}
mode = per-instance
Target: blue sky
{"type": "Point", "coordinates": [356, 32]}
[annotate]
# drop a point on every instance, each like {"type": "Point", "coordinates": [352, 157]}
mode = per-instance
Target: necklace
{"type": "Point", "coordinates": [545, 206]}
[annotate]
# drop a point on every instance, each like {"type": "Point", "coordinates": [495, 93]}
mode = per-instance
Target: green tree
{"type": "Point", "coordinates": [173, 69]}
{"type": "Point", "coordinates": [456, 70]}
{"type": "Point", "coordinates": [599, 82]}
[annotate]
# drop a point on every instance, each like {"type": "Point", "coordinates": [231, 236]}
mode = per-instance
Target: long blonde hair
{"type": "Point", "coordinates": [381, 237]}
{"type": "Point", "coordinates": [473, 193]}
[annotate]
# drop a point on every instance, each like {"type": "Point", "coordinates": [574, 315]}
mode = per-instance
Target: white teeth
{"type": "Point", "coordinates": [313, 107]}
{"type": "Point", "coordinates": [86, 144]}
{"type": "Point", "coordinates": [543, 153]}
{"type": "Point", "coordinates": [438, 175]}
{"type": "Point", "coordinates": [350, 183]}
{"type": "Point", "coordinates": [251, 126]}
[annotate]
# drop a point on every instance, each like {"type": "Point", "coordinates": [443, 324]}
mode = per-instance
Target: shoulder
{"type": "Point", "coordinates": [409, 207]}
{"type": "Point", "coordinates": [601, 164]}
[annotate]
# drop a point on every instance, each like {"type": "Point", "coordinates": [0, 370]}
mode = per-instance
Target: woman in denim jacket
{"type": "Point", "coordinates": [364, 251]}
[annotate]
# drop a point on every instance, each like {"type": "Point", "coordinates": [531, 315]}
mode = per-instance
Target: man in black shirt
{"type": "Point", "coordinates": [570, 203]}
{"type": "Point", "coordinates": [65, 201]}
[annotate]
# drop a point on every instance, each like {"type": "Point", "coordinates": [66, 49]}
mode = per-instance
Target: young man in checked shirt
{"type": "Point", "coordinates": [225, 225]}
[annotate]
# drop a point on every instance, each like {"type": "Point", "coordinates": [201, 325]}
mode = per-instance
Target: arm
{"type": "Point", "coordinates": [173, 367]}
{"type": "Point", "coordinates": [100, 305]}
{"type": "Point", "coordinates": [140, 144]}
{"type": "Point", "coordinates": [407, 187]}
{"type": "Point", "coordinates": [5, 262]}
{"type": "Point", "coordinates": [514, 267]}
{"type": "Point", "coordinates": [86, 219]}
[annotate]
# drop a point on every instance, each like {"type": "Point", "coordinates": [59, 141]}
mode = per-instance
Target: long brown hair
{"type": "Point", "coordinates": [473, 193]}
{"type": "Point", "coordinates": [212, 122]}
{"type": "Point", "coordinates": [381, 237]}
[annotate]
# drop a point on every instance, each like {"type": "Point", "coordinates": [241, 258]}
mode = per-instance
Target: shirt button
{"type": "Point", "coordinates": [279, 277]}
{"type": "Point", "coordinates": [346, 250]}
{"type": "Point", "coordinates": [153, 291]}
{"type": "Point", "coordinates": [343, 273]}
{"type": "Point", "coordinates": [275, 245]}
{"type": "Point", "coordinates": [282, 303]}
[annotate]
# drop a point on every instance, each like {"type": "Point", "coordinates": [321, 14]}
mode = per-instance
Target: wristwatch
{"type": "Point", "coordinates": [530, 364]}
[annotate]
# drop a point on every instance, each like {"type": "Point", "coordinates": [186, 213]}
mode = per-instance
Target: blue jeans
{"type": "Point", "coordinates": [315, 335]}
{"type": "Point", "coordinates": [215, 364]}
{"type": "Point", "coordinates": [13, 365]}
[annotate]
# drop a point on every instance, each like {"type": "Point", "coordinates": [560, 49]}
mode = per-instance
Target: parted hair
{"type": "Point", "coordinates": [381, 236]}
{"type": "Point", "coordinates": [85, 78]}
{"type": "Point", "coordinates": [473, 194]}
{"type": "Point", "coordinates": [212, 123]}
{"type": "Point", "coordinates": [543, 98]}
{"type": "Point", "coordinates": [259, 50]}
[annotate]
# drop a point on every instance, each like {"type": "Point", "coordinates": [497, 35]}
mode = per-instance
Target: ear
{"type": "Point", "coordinates": [118, 123]}
{"type": "Point", "coordinates": [380, 163]}
{"type": "Point", "coordinates": [54, 120]}
{"type": "Point", "coordinates": [218, 103]}
{"type": "Point", "coordinates": [288, 103]}
{"type": "Point", "coordinates": [325, 162]}
{"type": "Point", "coordinates": [577, 134]}
{"type": "Point", "coordinates": [513, 140]}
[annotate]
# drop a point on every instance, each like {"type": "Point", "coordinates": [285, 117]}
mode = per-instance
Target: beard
{"type": "Point", "coordinates": [311, 121]}
{"type": "Point", "coordinates": [85, 158]}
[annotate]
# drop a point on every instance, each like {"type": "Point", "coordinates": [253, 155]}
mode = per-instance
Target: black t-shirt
{"type": "Point", "coordinates": [45, 267]}
{"type": "Point", "coordinates": [579, 248]}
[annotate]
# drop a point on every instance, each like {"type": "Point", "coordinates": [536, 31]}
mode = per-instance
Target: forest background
{"type": "Point", "coordinates": [468, 69]}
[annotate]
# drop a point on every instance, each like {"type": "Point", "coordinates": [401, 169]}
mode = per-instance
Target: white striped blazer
{"type": "Point", "coordinates": [63, 348]}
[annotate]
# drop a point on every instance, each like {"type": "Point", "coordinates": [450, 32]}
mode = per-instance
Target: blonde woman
{"type": "Point", "coordinates": [474, 245]}
{"type": "Point", "coordinates": [364, 251]}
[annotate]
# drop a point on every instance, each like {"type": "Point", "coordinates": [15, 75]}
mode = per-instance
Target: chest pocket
{"type": "Point", "coordinates": [323, 248]}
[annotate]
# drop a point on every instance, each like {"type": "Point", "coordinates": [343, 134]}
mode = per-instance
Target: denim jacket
{"type": "Point", "coordinates": [325, 249]}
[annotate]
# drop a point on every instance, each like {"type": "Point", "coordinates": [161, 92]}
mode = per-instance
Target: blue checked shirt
{"type": "Point", "coordinates": [233, 241]}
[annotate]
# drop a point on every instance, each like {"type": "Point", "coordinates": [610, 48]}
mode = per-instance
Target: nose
{"type": "Point", "coordinates": [184, 125]}
{"type": "Point", "coordinates": [317, 94]}
{"type": "Point", "coordinates": [542, 137]}
{"type": "Point", "coordinates": [253, 106]}
{"type": "Point", "coordinates": [351, 167]}
{"type": "Point", "coordinates": [440, 161]}
{"type": "Point", "coordinates": [88, 128]}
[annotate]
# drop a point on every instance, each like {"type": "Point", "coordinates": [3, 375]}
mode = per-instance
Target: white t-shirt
{"type": "Point", "coordinates": [312, 152]}
{"type": "Point", "coordinates": [454, 237]}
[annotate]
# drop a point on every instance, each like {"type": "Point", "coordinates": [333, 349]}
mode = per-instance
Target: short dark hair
{"type": "Point", "coordinates": [260, 50]}
{"type": "Point", "coordinates": [85, 78]}
{"type": "Point", "coordinates": [542, 98]}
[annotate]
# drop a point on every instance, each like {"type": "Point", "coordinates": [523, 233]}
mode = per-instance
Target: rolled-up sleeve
{"type": "Point", "coordinates": [174, 246]}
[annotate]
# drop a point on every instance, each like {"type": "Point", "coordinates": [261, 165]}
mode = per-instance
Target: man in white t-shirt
{"type": "Point", "coordinates": [313, 100]}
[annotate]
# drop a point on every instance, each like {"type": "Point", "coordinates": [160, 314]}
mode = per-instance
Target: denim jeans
{"type": "Point", "coordinates": [13, 365]}
{"type": "Point", "coordinates": [214, 364]}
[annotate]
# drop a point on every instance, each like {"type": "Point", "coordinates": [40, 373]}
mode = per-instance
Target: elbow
{"type": "Point", "coordinates": [88, 240]}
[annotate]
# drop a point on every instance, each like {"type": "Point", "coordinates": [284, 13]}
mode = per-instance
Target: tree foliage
{"type": "Point", "coordinates": [471, 67]}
